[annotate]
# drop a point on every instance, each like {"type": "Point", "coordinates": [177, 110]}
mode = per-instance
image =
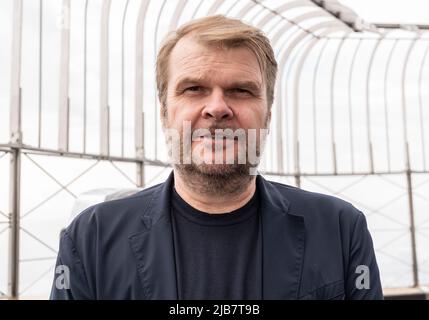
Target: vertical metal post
{"type": "Point", "coordinates": [349, 92]}
{"type": "Point", "coordinates": [123, 77]}
{"type": "Point", "coordinates": [15, 179]}
{"type": "Point", "coordinates": [408, 165]}
{"type": "Point", "coordinates": [15, 138]}
{"type": "Point", "coordinates": [63, 120]}
{"type": "Point", "coordinates": [412, 223]}
{"type": "Point", "coordinates": [39, 126]}
{"type": "Point", "coordinates": [140, 155]}
{"type": "Point", "coordinates": [104, 79]}
{"type": "Point", "coordinates": [138, 107]}
{"type": "Point", "coordinates": [386, 104]}
{"type": "Point", "coordinates": [85, 31]}
{"type": "Point", "coordinates": [15, 81]}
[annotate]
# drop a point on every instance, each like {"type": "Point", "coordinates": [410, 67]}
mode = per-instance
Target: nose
{"type": "Point", "coordinates": [216, 107]}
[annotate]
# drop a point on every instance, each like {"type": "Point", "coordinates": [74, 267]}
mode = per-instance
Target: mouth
{"type": "Point", "coordinates": [217, 138]}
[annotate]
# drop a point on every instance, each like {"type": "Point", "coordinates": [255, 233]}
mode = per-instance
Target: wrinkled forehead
{"type": "Point", "coordinates": [193, 58]}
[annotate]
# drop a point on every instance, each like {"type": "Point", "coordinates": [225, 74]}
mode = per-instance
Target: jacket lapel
{"type": "Point", "coordinates": [153, 248]}
{"type": "Point", "coordinates": [283, 239]}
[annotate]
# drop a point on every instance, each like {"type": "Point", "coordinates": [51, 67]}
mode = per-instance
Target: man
{"type": "Point", "coordinates": [215, 229]}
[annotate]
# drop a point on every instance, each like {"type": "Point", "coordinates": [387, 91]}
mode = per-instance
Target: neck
{"type": "Point", "coordinates": [217, 201]}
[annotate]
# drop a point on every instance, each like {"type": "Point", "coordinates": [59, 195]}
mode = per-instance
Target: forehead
{"type": "Point", "coordinates": [191, 58]}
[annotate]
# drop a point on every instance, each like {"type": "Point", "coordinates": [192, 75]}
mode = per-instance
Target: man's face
{"type": "Point", "coordinates": [214, 88]}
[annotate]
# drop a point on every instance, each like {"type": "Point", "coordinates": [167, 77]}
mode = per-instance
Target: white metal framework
{"type": "Point", "coordinates": [326, 121]}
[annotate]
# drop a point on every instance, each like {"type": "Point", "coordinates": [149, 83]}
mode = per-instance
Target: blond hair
{"type": "Point", "coordinates": [227, 33]}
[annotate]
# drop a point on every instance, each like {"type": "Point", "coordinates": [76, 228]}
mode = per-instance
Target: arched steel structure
{"type": "Point", "coordinates": [301, 27]}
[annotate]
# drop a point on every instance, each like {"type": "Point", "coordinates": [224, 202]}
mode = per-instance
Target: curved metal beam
{"type": "Point", "coordinates": [124, 14]}
{"type": "Point", "coordinates": [386, 118]}
{"type": "Point", "coordinates": [404, 101]}
{"type": "Point", "coordinates": [85, 31]}
{"type": "Point", "coordinates": [313, 94]}
{"type": "Point", "coordinates": [138, 91]}
{"type": "Point", "coordinates": [39, 120]}
{"type": "Point", "coordinates": [349, 92]}
{"type": "Point", "coordinates": [422, 128]}
{"type": "Point", "coordinates": [331, 28]}
{"type": "Point", "coordinates": [319, 26]}
{"type": "Point", "coordinates": [368, 102]}
{"type": "Point", "coordinates": [334, 69]}
{"type": "Point", "coordinates": [408, 164]}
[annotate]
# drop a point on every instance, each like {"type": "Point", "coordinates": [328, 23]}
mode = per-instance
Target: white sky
{"type": "Point", "coordinates": [391, 11]}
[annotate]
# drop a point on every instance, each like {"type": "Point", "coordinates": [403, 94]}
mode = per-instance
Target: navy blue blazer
{"type": "Point", "coordinates": [314, 247]}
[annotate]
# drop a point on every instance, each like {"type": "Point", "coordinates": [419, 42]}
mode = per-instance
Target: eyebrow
{"type": "Point", "coordinates": [249, 85]}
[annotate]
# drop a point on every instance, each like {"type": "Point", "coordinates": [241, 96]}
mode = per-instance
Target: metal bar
{"type": "Point", "coordinates": [286, 54]}
{"type": "Point", "coordinates": [15, 156]}
{"type": "Point", "coordinates": [232, 6]}
{"type": "Point", "coordinates": [334, 69]}
{"type": "Point", "coordinates": [404, 100]}
{"type": "Point", "coordinates": [212, 10]}
{"type": "Point", "coordinates": [371, 38]}
{"type": "Point", "coordinates": [54, 152]}
{"type": "Point", "coordinates": [368, 101]}
{"type": "Point", "coordinates": [245, 10]}
{"type": "Point", "coordinates": [39, 120]}
{"type": "Point", "coordinates": [85, 39]}
{"type": "Point", "coordinates": [123, 173]}
{"type": "Point", "coordinates": [123, 77]}
{"type": "Point", "coordinates": [37, 259]}
{"type": "Point", "coordinates": [63, 103]}
{"type": "Point", "coordinates": [281, 32]}
{"type": "Point", "coordinates": [140, 165]}
{"type": "Point", "coordinates": [282, 8]}
{"type": "Point", "coordinates": [39, 240]}
{"type": "Point", "coordinates": [104, 79]}
{"type": "Point", "coordinates": [50, 176]}
{"type": "Point", "coordinates": [412, 229]}
{"type": "Point", "coordinates": [279, 10]}
{"type": "Point", "coordinates": [408, 166]}
{"type": "Point", "coordinates": [156, 105]}
{"type": "Point", "coordinates": [296, 101]}
{"type": "Point", "coordinates": [316, 72]}
{"type": "Point", "coordinates": [38, 279]}
{"type": "Point", "coordinates": [389, 60]}
{"type": "Point", "coordinates": [196, 9]}
{"type": "Point", "coordinates": [15, 82]}
{"type": "Point", "coordinates": [399, 26]}
{"type": "Point", "coordinates": [15, 188]}
{"type": "Point", "coordinates": [420, 86]}
{"type": "Point", "coordinates": [176, 16]}
{"type": "Point", "coordinates": [283, 118]}
{"type": "Point", "coordinates": [138, 108]}
{"type": "Point", "coordinates": [328, 174]}
{"type": "Point", "coordinates": [24, 215]}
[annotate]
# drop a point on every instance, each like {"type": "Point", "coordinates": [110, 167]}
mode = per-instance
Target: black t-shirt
{"type": "Point", "coordinates": [218, 256]}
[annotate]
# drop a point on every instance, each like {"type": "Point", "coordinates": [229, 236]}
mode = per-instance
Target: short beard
{"type": "Point", "coordinates": [216, 179]}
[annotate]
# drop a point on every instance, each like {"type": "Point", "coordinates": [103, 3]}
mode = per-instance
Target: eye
{"type": "Point", "coordinates": [240, 92]}
{"type": "Point", "coordinates": [194, 89]}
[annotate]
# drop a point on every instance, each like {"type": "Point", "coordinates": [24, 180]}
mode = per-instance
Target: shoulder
{"type": "Point", "coordinates": [318, 207]}
{"type": "Point", "coordinates": [109, 216]}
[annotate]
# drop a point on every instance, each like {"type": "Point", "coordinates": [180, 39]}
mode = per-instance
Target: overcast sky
{"type": "Point", "coordinates": [391, 11]}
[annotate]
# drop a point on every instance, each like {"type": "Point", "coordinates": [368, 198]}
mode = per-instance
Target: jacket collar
{"type": "Point", "coordinates": [283, 236]}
